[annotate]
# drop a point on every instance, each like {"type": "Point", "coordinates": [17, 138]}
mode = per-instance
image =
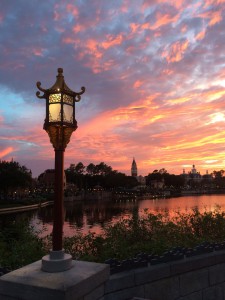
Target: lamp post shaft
{"type": "Point", "coordinates": [57, 234]}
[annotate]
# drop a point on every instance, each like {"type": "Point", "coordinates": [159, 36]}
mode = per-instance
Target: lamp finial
{"type": "Point", "coordinates": [60, 70]}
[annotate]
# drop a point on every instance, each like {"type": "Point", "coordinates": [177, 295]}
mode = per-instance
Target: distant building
{"type": "Point", "coordinates": [157, 183]}
{"type": "Point", "coordinates": [47, 179]}
{"type": "Point", "coordinates": [134, 168]}
{"type": "Point", "coordinates": [194, 177]}
{"type": "Point", "coordinates": [141, 179]}
{"type": "Point", "coordinates": [134, 173]}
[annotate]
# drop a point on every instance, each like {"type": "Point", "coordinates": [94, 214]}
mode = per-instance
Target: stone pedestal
{"type": "Point", "coordinates": [84, 280]}
{"type": "Point", "coordinates": [56, 261]}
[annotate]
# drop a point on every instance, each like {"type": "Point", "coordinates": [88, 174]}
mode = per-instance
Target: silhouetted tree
{"type": "Point", "coordinates": [219, 179]}
{"type": "Point", "coordinates": [90, 169]}
{"type": "Point", "coordinates": [170, 180]}
{"type": "Point", "coordinates": [79, 168]}
{"type": "Point", "coordinates": [102, 169]}
{"type": "Point", "coordinates": [13, 176]}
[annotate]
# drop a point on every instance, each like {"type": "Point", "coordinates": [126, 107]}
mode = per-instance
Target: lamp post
{"type": "Point", "coordinates": [59, 123]}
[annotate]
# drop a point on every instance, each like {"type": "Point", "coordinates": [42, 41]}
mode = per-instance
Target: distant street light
{"type": "Point", "coordinates": [59, 123]}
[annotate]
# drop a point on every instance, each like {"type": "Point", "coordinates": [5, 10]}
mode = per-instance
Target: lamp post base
{"type": "Point", "coordinates": [56, 261]}
{"type": "Point", "coordinates": [84, 280]}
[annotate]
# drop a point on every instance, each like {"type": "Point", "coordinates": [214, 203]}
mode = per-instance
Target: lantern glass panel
{"type": "Point", "coordinates": [53, 98]}
{"type": "Point", "coordinates": [68, 99]}
{"type": "Point", "coordinates": [55, 112]}
{"type": "Point", "coordinates": [68, 113]}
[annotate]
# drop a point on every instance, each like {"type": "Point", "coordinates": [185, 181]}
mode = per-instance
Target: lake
{"type": "Point", "coordinates": [93, 215]}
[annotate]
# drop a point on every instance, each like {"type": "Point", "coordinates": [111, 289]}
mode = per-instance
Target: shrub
{"type": "Point", "coordinates": [151, 233]}
{"type": "Point", "coordinates": [19, 245]}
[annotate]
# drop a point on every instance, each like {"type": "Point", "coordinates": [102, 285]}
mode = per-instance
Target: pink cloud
{"type": "Point", "coordinates": [168, 71]}
{"type": "Point", "coordinates": [38, 51]}
{"type": "Point", "coordinates": [176, 51]}
{"type": "Point", "coordinates": [200, 35]}
{"type": "Point", "coordinates": [184, 28]}
{"type": "Point", "coordinates": [56, 13]}
{"type": "Point", "coordinates": [93, 46]}
{"type": "Point", "coordinates": [125, 6]}
{"type": "Point", "coordinates": [6, 151]}
{"type": "Point", "coordinates": [71, 8]}
{"type": "Point", "coordinates": [134, 27]}
{"type": "Point", "coordinates": [161, 20]}
{"type": "Point", "coordinates": [111, 41]}
{"type": "Point", "coordinates": [213, 16]}
{"type": "Point", "coordinates": [213, 2]}
{"type": "Point", "coordinates": [78, 28]}
{"type": "Point", "coordinates": [68, 40]}
{"type": "Point", "coordinates": [137, 84]}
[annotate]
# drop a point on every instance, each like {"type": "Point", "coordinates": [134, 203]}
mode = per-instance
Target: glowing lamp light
{"type": "Point", "coordinates": [60, 119]}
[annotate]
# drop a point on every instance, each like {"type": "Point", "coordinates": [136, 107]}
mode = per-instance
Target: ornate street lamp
{"type": "Point", "coordinates": [59, 123]}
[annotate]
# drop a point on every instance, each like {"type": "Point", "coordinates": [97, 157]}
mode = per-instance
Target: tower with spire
{"type": "Point", "coordinates": [134, 168]}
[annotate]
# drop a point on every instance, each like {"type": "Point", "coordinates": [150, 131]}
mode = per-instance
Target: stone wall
{"type": "Point", "coordinates": [198, 278]}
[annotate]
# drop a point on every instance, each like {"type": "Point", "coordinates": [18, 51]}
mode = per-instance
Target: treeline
{"type": "Point", "coordinates": [13, 178]}
{"type": "Point", "coordinates": [101, 174]}
{"type": "Point", "coordinates": [168, 180]}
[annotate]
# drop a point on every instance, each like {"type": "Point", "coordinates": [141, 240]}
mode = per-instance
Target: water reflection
{"type": "Point", "coordinates": [94, 215]}
{"type": "Point", "coordinates": [85, 216]}
{"type": "Point", "coordinates": [5, 220]}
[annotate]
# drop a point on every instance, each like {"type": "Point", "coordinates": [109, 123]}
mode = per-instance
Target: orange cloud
{"type": "Point", "coordinates": [218, 138]}
{"type": "Point", "coordinates": [6, 151]}
{"type": "Point", "coordinates": [212, 2]}
{"type": "Point", "coordinates": [184, 28]}
{"type": "Point", "coordinates": [157, 34]}
{"type": "Point", "coordinates": [161, 20]}
{"type": "Point", "coordinates": [38, 51]}
{"type": "Point", "coordinates": [213, 16]}
{"type": "Point", "coordinates": [178, 100]}
{"type": "Point", "coordinates": [176, 3]}
{"type": "Point", "coordinates": [216, 18]}
{"type": "Point", "coordinates": [167, 72]}
{"type": "Point", "coordinates": [72, 9]}
{"type": "Point", "coordinates": [137, 84]}
{"type": "Point", "coordinates": [176, 51]}
{"type": "Point", "coordinates": [56, 14]}
{"type": "Point", "coordinates": [200, 35]}
{"type": "Point", "coordinates": [213, 95]}
{"type": "Point", "coordinates": [112, 41]}
{"type": "Point", "coordinates": [92, 47]}
{"type": "Point", "coordinates": [134, 27]}
{"type": "Point", "coordinates": [93, 51]}
{"type": "Point", "coordinates": [78, 28]}
{"type": "Point", "coordinates": [68, 40]}
{"type": "Point", "coordinates": [124, 6]}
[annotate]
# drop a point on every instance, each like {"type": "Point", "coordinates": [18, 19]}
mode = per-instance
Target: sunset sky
{"type": "Point", "coordinates": [154, 72]}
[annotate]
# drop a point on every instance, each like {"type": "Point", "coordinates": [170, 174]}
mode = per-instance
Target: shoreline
{"type": "Point", "coordinates": [9, 210]}
{"type": "Point", "coordinates": [105, 198]}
